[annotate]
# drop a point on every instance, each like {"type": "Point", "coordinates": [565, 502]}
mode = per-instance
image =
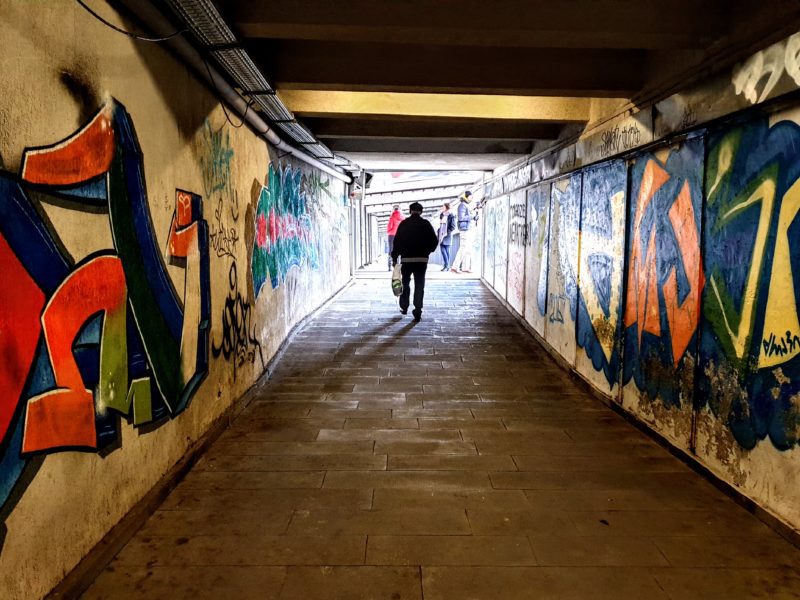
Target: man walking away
{"type": "Point", "coordinates": [414, 241]}
{"type": "Point", "coordinates": [391, 229]}
{"type": "Point", "coordinates": [466, 228]}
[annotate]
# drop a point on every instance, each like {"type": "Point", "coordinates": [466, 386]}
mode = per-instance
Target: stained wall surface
{"type": "Point", "coordinates": [667, 277]}
{"type": "Point", "coordinates": [154, 259]}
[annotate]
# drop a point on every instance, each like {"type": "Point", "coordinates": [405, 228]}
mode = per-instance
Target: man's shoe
{"type": "Point", "coordinates": [417, 314]}
{"type": "Point", "coordinates": [445, 269]}
{"type": "Point", "coordinates": [403, 311]}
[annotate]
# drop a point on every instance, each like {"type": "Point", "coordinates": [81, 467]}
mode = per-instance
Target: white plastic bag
{"type": "Point", "coordinates": [397, 280]}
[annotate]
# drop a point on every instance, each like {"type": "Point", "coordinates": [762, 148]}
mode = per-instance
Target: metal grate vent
{"type": "Point", "coordinates": [244, 72]}
{"type": "Point", "coordinates": [204, 21]}
{"type": "Point", "coordinates": [273, 107]}
{"type": "Point", "coordinates": [297, 132]}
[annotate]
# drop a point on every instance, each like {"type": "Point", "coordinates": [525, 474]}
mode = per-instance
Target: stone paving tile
{"type": "Point", "coordinates": [583, 551]}
{"type": "Point", "coordinates": [254, 549]}
{"type": "Point", "coordinates": [726, 584]}
{"type": "Point", "coordinates": [409, 549]}
{"type": "Point", "coordinates": [252, 480]}
{"type": "Point", "coordinates": [199, 583]}
{"type": "Point", "coordinates": [353, 583]}
{"type": "Point", "coordinates": [234, 521]}
{"type": "Point", "coordinates": [525, 583]}
{"type": "Point", "coordinates": [431, 480]}
{"type": "Point", "coordinates": [434, 447]}
{"type": "Point", "coordinates": [491, 521]}
{"type": "Point", "coordinates": [250, 447]}
{"type": "Point", "coordinates": [309, 462]}
{"type": "Point", "coordinates": [417, 462]}
{"type": "Point", "coordinates": [709, 551]}
{"type": "Point", "coordinates": [454, 458]}
{"type": "Point", "coordinates": [677, 522]}
{"type": "Point", "coordinates": [403, 521]}
{"type": "Point", "coordinates": [267, 501]}
{"type": "Point", "coordinates": [463, 499]}
{"type": "Point", "coordinates": [389, 435]}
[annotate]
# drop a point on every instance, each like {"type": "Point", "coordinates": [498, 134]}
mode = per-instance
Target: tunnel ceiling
{"type": "Point", "coordinates": [473, 84]}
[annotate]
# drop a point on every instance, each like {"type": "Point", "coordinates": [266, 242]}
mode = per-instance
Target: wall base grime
{"type": "Point", "coordinates": [770, 520]}
{"type": "Point", "coordinates": [89, 568]}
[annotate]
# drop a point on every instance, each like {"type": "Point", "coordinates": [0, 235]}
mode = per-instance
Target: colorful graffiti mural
{"type": "Point", "coordinates": [665, 273]}
{"type": "Point", "coordinates": [750, 344]}
{"type": "Point", "coordinates": [108, 337]}
{"type": "Point", "coordinates": [562, 269]}
{"type": "Point", "coordinates": [490, 239]}
{"type": "Point", "coordinates": [536, 256]}
{"type": "Point", "coordinates": [284, 237]}
{"type": "Point", "coordinates": [501, 249]}
{"type": "Point", "coordinates": [602, 253]}
{"type": "Point", "coordinates": [517, 242]}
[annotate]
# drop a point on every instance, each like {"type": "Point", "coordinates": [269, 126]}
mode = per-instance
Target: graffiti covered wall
{"type": "Point", "coordinates": [602, 231]}
{"type": "Point", "coordinates": [562, 268]}
{"type": "Point", "coordinates": [517, 243]}
{"type": "Point", "coordinates": [536, 256]}
{"type": "Point", "coordinates": [154, 267]}
{"type": "Point", "coordinates": [664, 283]}
{"type": "Point", "coordinates": [748, 390]}
{"type": "Point", "coordinates": [669, 281]}
{"type": "Point", "coordinates": [501, 249]}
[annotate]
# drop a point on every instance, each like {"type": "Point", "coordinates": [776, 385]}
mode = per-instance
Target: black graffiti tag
{"type": "Point", "coordinates": [223, 238]}
{"type": "Point", "coordinates": [239, 341]}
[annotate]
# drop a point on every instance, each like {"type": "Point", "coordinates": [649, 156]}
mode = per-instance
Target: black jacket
{"type": "Point", "coordinates": [415, 238]}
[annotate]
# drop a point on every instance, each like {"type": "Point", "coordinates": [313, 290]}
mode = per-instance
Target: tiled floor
{"type": "Point", "coordinates": [445, 459]}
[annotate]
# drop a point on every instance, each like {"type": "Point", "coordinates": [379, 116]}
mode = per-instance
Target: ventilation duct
{"type": "Point", "coordinates": [204, 21]}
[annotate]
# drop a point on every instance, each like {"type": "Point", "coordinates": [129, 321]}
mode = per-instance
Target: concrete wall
{"type": "Point", "coordinates": [153, 259]}
{"type": "Point", "coordinates": [668, 280]}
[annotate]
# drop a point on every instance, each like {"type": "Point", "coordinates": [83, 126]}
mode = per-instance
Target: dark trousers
{"type": "Point", "coordinates": [445, 255]}
{"type": "Point", "coordinates": [391, 247]}
{"type": "Point", "coordinates": [418, 271]}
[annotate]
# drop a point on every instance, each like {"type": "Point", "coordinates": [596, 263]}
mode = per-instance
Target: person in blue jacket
{"type": "Point", "coordinates": [447, 224]}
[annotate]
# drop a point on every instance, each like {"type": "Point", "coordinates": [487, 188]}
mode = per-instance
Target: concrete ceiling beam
{"type": "Point", "coordinates": [429, 127]}
{"type": "Point", "coordinates": [674, 24]}
{"type": "Point", "coordinates": [403, 161]}
{"type": "Point", "coordinates": [448, 69]}
{"type": "Point", "coordinates": [415, 145]}
{"type": "Point", "coordinates": [386, 105]}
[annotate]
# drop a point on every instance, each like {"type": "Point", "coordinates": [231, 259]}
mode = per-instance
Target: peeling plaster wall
{"type": "Point", "coordinates": [155, 223]}
{"type": "Point", "coordinates": [671, 272]}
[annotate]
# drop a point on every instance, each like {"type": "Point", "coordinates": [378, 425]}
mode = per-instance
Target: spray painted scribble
{"type": "Point", "coordinates": [601, 259]}
{"type": "Point", "coordinates": [239, 343]}
{"type": "Point", "coordinates": [284, 237]}
{"type": "Point", "coordinates": [106, 337]}
{"type": "Point", "coordinates": [224, 236]}
{"type": "Point", "coordinates": [665, 272]}
{"type": "Point", "coordinates": [216, 160]}
{"type": "Point", "coordinates": [758, 78]}
{"type": "Point", "coordinates": [751, 325]}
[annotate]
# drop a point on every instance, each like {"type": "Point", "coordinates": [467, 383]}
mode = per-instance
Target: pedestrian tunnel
{"type": "Point", "coordinates": [208, 386]}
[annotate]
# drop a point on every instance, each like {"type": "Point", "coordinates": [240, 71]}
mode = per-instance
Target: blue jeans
{"type": "Point", "coordinates": [391, 247]}
{"type": "Point", "coordinates": [445, 255]}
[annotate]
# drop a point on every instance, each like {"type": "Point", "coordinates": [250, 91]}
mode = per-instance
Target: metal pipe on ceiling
{"type": "Point", "coordinates": [154, 19]}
